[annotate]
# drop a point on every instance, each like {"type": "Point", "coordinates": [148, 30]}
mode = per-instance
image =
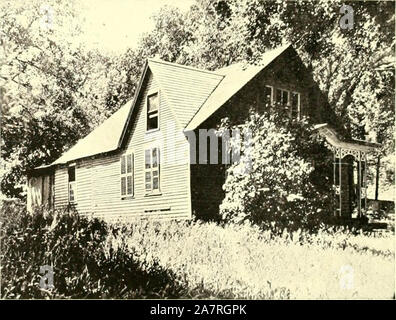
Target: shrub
{"type": "Point", "coordinates": [282, 178]}
{"type": "Point", "coordinates": [84, 261]}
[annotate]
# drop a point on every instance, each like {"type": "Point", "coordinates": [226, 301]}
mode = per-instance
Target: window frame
{"type": "Point", "coordinates": [288, 96]}
{"type": "Point", "coordinates": [290, 103]}
{"type": "Point", "coordinates": [72, 185]}
{"type": "Point", "coordinates": [272, 94]}
{"type": "Point", "coordinates": [149, 94]}
{"type": "Point", "coordinates": [298, 105]}
{"type": "Point", "coordinates": [127, 174]}
{"type": "Point", "coordinates": [152, 191]}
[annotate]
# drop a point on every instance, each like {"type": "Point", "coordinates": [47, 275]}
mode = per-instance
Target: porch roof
{"type": "Point", "coordinates": [348, 146]}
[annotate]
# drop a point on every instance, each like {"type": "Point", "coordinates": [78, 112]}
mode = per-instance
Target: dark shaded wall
{"type": "Point", "coordinates": [286, 72]}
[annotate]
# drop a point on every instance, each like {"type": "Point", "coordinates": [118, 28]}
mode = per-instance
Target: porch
{"type": "Point", "coordinates": [350, 166]}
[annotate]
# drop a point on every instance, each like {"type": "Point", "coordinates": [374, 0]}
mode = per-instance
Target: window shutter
{"type": "Point", "coordinates": [123, 165]}
{"type": "Point", "coordinates": [123, 186]}
{"type": "Point", "coordinates": [156, 164]}
{"type": "Point", "coordinates": [126, 177]}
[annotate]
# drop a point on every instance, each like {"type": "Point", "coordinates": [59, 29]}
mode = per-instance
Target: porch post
{"type": "Point", "coordinates": [360, 185]}
{"type": "Point", "coordinates": [340, 182]}
{"type": "Point", "coordinates": [334, 182]}
{"type": "Point", "coordinates": [365, 183]}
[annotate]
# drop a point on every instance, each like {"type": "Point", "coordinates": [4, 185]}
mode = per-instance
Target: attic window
{"type": "Point", "coordinates": [268, 95]}
{"type": "Point", "coordinates": [292, 100]}
{"type": "Point", "coordinates": [152, 111]}
{"type": "Point", "coordinates": [282, 96]}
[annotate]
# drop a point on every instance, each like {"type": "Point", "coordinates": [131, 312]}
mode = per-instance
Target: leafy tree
{"type": "Point", "coordinates": [45, 107]}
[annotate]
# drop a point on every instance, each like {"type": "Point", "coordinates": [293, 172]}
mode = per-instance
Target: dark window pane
{"type": "Point", "coordinates": [278, 95]}
{"type": "Point", "coordinates": [152, 103]}
{"type": "Point", "coordinates": [267, 95]}
{"type": "Point", "coordinates": [72, 173]}
{"type": "Point", "coordinates": [337, 172]}
{"type": "Point", "coordinates": [152, 121]}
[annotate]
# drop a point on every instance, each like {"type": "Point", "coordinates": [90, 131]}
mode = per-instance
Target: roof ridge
{"type": "Point", "coordinates": [183, 66]}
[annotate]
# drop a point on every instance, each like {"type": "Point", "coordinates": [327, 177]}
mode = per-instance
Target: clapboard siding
{"type": "Point", "coordinates": [61, 188]}
{"type": "Point", "coordinates": [98, 179]}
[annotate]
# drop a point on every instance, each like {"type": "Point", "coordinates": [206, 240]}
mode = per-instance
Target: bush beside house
{"type": "Point", "coordinates": [283, 178]}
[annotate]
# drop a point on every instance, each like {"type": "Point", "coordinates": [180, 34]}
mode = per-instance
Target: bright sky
{"type": "Point", "coordinates": [117, 24]}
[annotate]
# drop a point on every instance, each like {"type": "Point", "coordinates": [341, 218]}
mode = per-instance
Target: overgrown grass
{"type": "Point", "coordinates": [245, 262]}
{"type": "Point", "coordinates": [171, 259]}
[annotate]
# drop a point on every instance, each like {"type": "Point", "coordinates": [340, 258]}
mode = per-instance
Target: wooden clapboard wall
{"type": "Point", "coordinates": [98, 178]}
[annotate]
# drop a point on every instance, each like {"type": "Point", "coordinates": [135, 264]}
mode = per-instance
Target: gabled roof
{"type": "Point", "coordinates": [102, 139]}
{"type": "Point", "coordinates": [192, 94]}
{"type": "Point", "coordinates": [236, 77]}
{"type": "Point", "coordinates": [186, 88]}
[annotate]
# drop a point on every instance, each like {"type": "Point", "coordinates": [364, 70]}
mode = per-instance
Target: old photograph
{"type": "Point", "coordinates": [197, 150]}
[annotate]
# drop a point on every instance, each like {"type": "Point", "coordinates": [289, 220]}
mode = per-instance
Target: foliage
{"type": "Point", "coordinates": [85, 263]}
{"type": "Point", "coordinates": [283, 176]}
{"type": "Point", "coordinates": [40, 75]}
{"type": "Point", "coordinates": [53, 90]}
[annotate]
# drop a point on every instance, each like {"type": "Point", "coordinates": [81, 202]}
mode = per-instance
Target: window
{"type": "Point", "coordinates": [295, 105]}
{"type": "Point", "coordinates": [127, 183]}
{"type": "Point", "coordinates": [282, 96]}
{"type": "Point", "coordinates": [152, 170]}
{"type": "Point", "coordinates": [71, 172]}
{"type": "Point", "coordinates": [268, 95]}
{"type": "Point", "coordinates": [152, 111]}
{"type": "Point", "coordinates": [290, 99]}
